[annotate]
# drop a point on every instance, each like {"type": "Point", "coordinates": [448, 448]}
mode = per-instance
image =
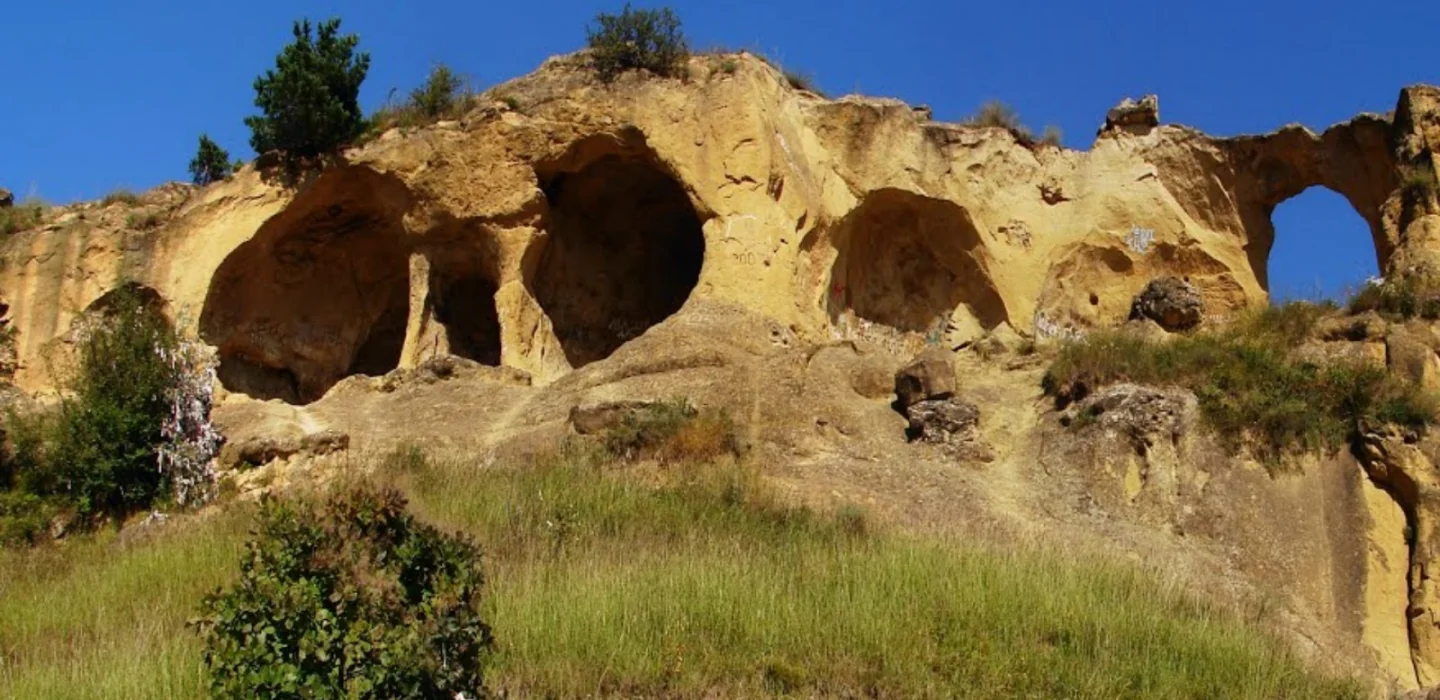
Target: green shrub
{"type": "Point", "coordinates": [24, 518]}
{"type": "Point", "coordinates": [355, 599]}
{"type": "Point", "coordinates": [1418, 182]}
{"type": "Point", "coordinates": [635, 40]}
{"type": "Point", "coordinates": [1403, 298]}
{"type": "Point", "coordinates": [99, 449]}
{"type": "Point", "coordinates": [1253, 391]}
{"type": "Point", "coordinates": [210, 164]}
{"type": "Point", "coordinates": [440, 94]}
{"type": "Point", "coordinates": [309, 102]}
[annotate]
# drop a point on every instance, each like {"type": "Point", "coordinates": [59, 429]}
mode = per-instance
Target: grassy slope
{"type": "Point", "coordinates": [674, 581]}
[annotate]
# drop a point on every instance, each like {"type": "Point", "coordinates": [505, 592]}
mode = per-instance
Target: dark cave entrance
{"type": "Point", "coordinates": [624, 253]}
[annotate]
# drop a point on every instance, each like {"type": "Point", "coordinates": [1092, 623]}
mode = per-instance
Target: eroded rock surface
{"type": "Point", "coordinates": [779, 255]}
{"type": "Point", "coordinates": [1170, 302]}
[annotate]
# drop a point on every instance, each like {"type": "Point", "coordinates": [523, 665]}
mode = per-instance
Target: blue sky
{"type": "Point", "coordinates": [99, 95]}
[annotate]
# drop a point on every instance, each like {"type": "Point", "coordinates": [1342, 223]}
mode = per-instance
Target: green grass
{"type": "Point", "coordinates": [678, 581]}
{"type": "Point", "coordinates": [1402, 298]}
{"type": "Point", "coordinates": [1253, 390]}
{"type": "Point", "coordinates": [99, 618]}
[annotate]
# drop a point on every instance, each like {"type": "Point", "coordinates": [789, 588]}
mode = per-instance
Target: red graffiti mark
{"type": "Point", "coordinates": [837, 289]}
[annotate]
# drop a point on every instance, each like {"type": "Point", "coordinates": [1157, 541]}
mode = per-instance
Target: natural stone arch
{"type": "Point", "coordinates": [463, 278]}
{"type": "Point", "coordinates": [1336, 251]}
{"type": "Point", "coordinates": [624, 246]}
{"type": "Point", "coordinates": [913, 263]}
{"type": "Point", "coordinates": [319, 293]}
{"type": "Point", "coordinates": [1354, 159]}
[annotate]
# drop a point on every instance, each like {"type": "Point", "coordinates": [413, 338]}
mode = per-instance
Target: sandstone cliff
{"type": "Point", "coordinates": [752, 246]}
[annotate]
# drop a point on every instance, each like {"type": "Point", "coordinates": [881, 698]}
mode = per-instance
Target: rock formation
{"type": "Point", "coordinates": [778, 254]}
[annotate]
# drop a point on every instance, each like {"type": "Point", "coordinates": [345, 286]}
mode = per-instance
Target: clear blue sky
{"type": "Point", "coordinates": [99, 95]}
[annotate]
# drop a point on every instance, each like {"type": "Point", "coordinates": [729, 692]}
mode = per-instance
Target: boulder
{"type": "Point", "coordinates": [931, 375]}
{"type": "Point", "coordinates": [1142, 413]}
{"type": "Point", "coordinates": [1171, 302]}
{"type": "Point", "coordinates": [950, 422]}
{"type": "Point", "coordinates": [1132, 116]}
{"type": "Point", "coordinates": [7, 198]}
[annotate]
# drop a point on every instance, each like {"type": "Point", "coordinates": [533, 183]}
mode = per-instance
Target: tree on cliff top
{"type": "Point", "coordinates": [310, 100]}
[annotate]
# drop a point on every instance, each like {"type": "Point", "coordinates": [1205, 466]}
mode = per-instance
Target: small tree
{"type": "Point", "coordinates": [635, 39]}
{"type": "Point", "coordinates": [103, 448]}
{"type": "Point", "coordinates": [438, 96]}
{"type": "Point", "coordinates": [310, 102]}
{"type": "Point", "coordinates": [355, 599]}
{"type": "Point", "coordinates": [211, 162]}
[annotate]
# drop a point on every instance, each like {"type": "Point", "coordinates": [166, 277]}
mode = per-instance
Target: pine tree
{"type": "Point", "coordinates": [310, 100]}
{"type": "Point", "coordinates": [211, 162]}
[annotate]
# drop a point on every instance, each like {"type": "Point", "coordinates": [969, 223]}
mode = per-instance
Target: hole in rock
{"type": "Point", "coordinates": [319, 293]}
{"type": "Point", "coordinates": [913, 263]}
{"type": "Point", "coordinates": [1322, 249]}
{"type": "Point", "coordinates": [624, 252]}
{"type": "Point", "coordinates": [462, 294]}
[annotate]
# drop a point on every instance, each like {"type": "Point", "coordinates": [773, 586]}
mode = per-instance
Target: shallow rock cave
{"type": "Point", "coordinates": [909, 262]}
{"type": "Point", "coordinates": [462, 298]}
{"type": "Point", "coordinates": [624, 252]}
{"type": "Point", "coordinates": [320, 293]}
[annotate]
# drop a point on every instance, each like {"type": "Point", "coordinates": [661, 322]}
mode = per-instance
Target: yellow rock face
{"type": "Point", "coordinates": [543, 238]}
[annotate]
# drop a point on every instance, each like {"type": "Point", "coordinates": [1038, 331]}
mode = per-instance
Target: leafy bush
{"type": "Point", "coordinates": [210, 164]}
{"type": "Point", "coordinates": [309, 102]}
{"type": "Point", "coordinates": [1252, 388]}
{"type": "Point", "coordinates": [1405, 297]}
{"type": "Point", "coordinates": [100, 450]}
{"type": "Point", "coordinates": [355, 599]}
{"type": "Point", "coordinates": [672, 431]}
{"type": "Point", "coordinates": [437, 97]}
{"type": "Point", "coordinates": [442, 96]}
{"type": "Point", "coordinates": [637, 39]}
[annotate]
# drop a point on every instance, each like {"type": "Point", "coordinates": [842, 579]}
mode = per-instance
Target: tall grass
{"type": "Point", "coordinates": [98, 617]}
{"type": "Point", "coordinates": [1254, 391]}
{"type": "Point", "coordinates": [682, 580]}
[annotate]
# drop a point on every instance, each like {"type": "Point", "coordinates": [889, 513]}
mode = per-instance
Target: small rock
{"type": "Point", "coordinates": [7, 198]}
{"type": "Point", "coordinates": [923, 113]}
{"type": "Point", "coordinates": [1134, 117]}
{"type": "Point", "coordinates": [931, 375]}
{"type": "Point", "coordinates": [1171, 302]}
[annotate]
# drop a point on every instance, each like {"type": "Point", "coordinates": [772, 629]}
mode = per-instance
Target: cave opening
{"type": "Point", "coordinates": [1322, 249]}
{"type": "Point", "coordinates": [321, 292]}
{"type": "Point", "coordinates": [464, 304]}
{"type": "Point", "coordinates": [912, 263]}
{"type": "Point", "coordinates": [624, 252]}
